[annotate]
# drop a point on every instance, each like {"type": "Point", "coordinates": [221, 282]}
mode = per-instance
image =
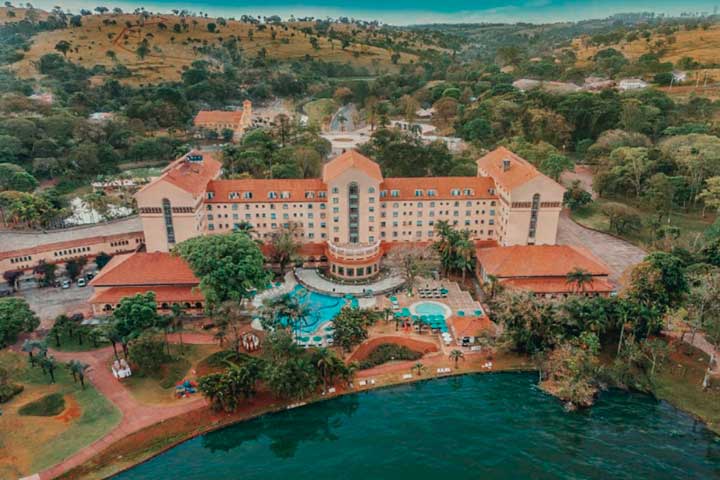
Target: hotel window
{"type": "Point", "coordinates": [284, 194]}
{"type": "Point", "coordinates": [395, 193]}
{"type": "Point", "coordinates": [335, 190]}
{"type": "Point", "coordinates": [335, 200]}
{"type": "Point", "coordinates": [418, 193]}
{"type": "Point", "coordinates": [383, 193]}
{"type": "Point", "coordinates": [432, 204]}
{"type": "Point", "coordinates": [336, 209]}
{"type": "Point", "coordinates": [309, 194]}
{"type": "Point", "coordinates": [234, 206]}
{"type": "Point", "coordinates": [211, 227]}
{"type": "Point", "coordinates": [468, 191]}
{"type": "Point", "coordinates": [167, 214]}
{"type": "Point", "coordinates": [210, 195]}
{"type": "Point", "coordinates": [455, 192]}
{"type": "Point", "coordinates": [272, 195]}
{"type": "Point", "coordinates": [247, 195]}
{"type": "Point", "coordinates": [322, 194]}
{"type": "Point", "coordinates": [492, 213]}
{"type": "Point", "coordinates": [371, 190]}
{"type": "Point", "coordinates": [233, 195]}
{"type": "Point", "coordinates": [534, 215]}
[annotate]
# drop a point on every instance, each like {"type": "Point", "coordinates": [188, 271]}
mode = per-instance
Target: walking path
{"type": "Point", "coordinates": [135, 415]}
{"type": "Point", "coordinates": [313, 281]}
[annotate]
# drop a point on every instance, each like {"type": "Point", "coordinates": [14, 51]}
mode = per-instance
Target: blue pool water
{"type": "Point", "coordinates": [323, 309]}
{"type": "Point", "coordinates": [429, 308]}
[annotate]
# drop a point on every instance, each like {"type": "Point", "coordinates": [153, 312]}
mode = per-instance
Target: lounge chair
{"type": "Point", "coordinates": [407, 376]}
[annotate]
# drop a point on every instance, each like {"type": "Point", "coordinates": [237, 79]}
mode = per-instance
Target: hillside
{"type": "Point", "coordinates": [173, 43]}
{"type": "Point", "coordinates": [701, 45]}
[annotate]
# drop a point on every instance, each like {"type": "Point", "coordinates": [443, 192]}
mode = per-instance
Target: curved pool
{"type": "Point", "coordinates": [430, 308]}
{"type": "Point", "coordinates": [489, 426]}
{"type": "Point", "coordinates": [323, 308]}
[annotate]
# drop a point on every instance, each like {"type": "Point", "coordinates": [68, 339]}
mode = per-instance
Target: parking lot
{"type": "Point", "coordinates": [50, 302]}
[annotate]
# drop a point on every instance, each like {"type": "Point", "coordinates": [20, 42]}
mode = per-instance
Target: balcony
{"type": "Point", "coordinates": [354, 251]}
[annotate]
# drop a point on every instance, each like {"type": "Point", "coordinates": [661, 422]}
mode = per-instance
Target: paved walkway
{"type": "Point", "coordinates": [618, 254]}
{"type": "Point", "coordinates": [311, 279]}
{"type": "Point", "coordinates": [135, 415]}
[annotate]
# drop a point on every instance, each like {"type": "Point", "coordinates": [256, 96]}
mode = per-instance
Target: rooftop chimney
{"type": "Point", "coordinates": [506, 164]}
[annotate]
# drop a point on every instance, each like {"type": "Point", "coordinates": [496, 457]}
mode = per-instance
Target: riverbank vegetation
{"type": "Point", "coordinates": [583, 344]}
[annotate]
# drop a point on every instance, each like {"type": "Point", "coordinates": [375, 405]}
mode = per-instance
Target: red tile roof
{"type": "Point", "coordinates": [557, 285]}
{"type": "Point", "coordinates": [163, 294]}
{"type": "Point", "coordinates": [145, 269]}
{"type": "Point", "coordinates": [538, 261]}
{"type": "Point", "coordinates": [189, 175]}
{"type": "Point", "coordinates": [520, 172]}
{"type": "Point", "coordinates": [205, 117]}
{"type": "Point", "coordinates": [351, 159]}
{"type": "Point", "coordinates": [480, 187]}
{"type": "Point", "coordinates": [470, 326]}
{"type": "Point", "coordinates": [261, 188]}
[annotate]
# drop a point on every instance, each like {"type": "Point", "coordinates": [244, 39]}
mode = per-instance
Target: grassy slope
{"type": "Point", "coordinates": [679, 382]}
{"type": "Point", "coordinates": [171, 52]}
{"type": "Point", "coordinates": [691, 224]}
{"type": "Point", "coordinates": [39, 442]}
{"type": "Point", "coordinates": [702, 45]}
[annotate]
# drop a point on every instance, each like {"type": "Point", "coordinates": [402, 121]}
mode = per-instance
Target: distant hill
{"type": "Point", "coordinates": [172, 43]}
{"type": "Point", "coordinates": [702, 45]}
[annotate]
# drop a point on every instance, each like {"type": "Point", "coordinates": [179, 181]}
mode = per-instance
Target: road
{"type": "Point", "coordinates": [48, 303]}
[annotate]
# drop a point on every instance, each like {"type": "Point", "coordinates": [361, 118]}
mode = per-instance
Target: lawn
{"type": "Point", "coordinates": [39, 442]}
{"type": "Point", "coordinates": [160, 388]}
{"type": "Point", "coordinates": [690, 224]}
{"type": "Point", "coordinates": [679, 382]}
{"type": "Point", "coordinates": [319, 111]}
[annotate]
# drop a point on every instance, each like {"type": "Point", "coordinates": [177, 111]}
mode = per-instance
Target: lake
{"type": "Point", "coordinates": [490, 426]}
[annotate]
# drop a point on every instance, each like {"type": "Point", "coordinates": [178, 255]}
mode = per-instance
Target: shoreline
{"type": "Point", "coordinates": [107, 465]}
{"type": "Point", "coordinates": [99, 466]}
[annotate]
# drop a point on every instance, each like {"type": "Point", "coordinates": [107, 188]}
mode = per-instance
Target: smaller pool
{"type": "Point", "coordinates": [430, 308]}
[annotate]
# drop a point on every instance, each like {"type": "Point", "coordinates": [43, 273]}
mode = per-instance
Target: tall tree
{"type": "Point", "coordinates": [230, 266]}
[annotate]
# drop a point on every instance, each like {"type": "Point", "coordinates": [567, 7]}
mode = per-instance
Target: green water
{"type": "Point", "coordinates": [493, 426]}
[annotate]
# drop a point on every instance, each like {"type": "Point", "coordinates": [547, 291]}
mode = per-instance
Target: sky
{"type": "Point", "coordinates": [405, 12]}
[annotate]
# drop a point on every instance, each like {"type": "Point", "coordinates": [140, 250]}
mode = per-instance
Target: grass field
{"type": "Point", "coordinates": [680, 383]}
{"type": "Point", "coordinates": [38, 442]}
{"type": "Point", "coordinates": [160, 389]}
{"type": "Point", "coordinates": [701, 45]}
{"type": "Point", "coordinates": [171, 51]}
{"type": "Point", "coordinates": [691, 224]}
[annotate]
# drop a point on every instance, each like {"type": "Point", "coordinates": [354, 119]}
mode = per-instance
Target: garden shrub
{"type": "Point", "coordinates": [387, 352]}
{"type": "Point", "coordinates": [47, 406]}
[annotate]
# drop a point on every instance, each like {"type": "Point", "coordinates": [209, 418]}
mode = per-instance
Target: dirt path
{"type": "Point", "coordinates": [135, 415]}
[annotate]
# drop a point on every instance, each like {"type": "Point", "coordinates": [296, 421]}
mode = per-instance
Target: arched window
{"type": "Point", "coordinates": [167, 214]}
{"type": "Point", "coordinates": [353, 213]}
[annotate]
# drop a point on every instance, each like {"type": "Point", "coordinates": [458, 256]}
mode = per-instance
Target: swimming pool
{"type": "Point", "coordinates": [323, 308]}
{"type": "Point", "coordinates": [430, 308]}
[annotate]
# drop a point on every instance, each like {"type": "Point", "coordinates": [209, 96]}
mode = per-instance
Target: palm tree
{"type": "Point", "coordinates": [579, 279]}
{"type": "Point", "coordinates": [494, 285]}
{"type": "Point", "coordinates": [30, 346]}
{"type": "Point", "coordinates": [327, 363]}
{"type": "Point", "coordinates": [48, 364]}
{"type": "Point", "coordinates": [348, 372]}
{"type": "Point", "coordinates": [456, 356]}
{"type": "Point", "coordinates": [419, 368]}
{"type": "Point", "coordinates": [464, 253]}
{"type": "Point", "coordinates": [77, 369]}
{"type": "Point", "coordinates": [176, 321]}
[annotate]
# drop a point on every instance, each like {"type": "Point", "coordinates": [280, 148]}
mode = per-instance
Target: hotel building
{"type": "Point", "coordinates": [347, 219]}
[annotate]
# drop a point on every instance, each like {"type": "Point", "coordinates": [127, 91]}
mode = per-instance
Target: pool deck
{"type": "Point", "coordinates": [313, 281]}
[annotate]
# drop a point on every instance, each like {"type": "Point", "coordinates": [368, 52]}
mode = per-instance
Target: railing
{"type": "Point", "coordinates": [354, 250]}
